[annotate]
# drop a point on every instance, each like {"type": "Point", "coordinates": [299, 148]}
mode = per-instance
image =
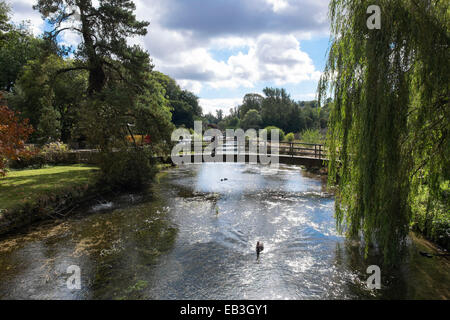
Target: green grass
{"type": "Point", "coordinates": [23, 186]}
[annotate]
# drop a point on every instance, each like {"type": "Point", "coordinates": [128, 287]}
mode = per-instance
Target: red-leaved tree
{"type": "Point", "coordinates": [13, 134]}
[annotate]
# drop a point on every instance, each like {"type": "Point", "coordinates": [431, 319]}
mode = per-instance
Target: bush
{"type": "Point", "coordinates": [269, 133]}
{"type": "Point", "coordinates": [50, 154]}
{"type": "Point", "coordinates": [311, 136]}
{"type": "Point", "coordinates": [290, 137]}
{"type": "Point", "coordinates": [431, 214]}
{"type": "Point", "coordinates": [127, 169]}
{"type": "Point", "coordinates": [55, 152]}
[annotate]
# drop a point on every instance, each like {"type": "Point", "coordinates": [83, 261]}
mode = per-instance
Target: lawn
{"type": "Point", "coordinates": [28, 185]}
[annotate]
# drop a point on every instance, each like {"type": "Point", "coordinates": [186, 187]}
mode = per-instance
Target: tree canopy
{"type": "Point", "coordinates": [389, 124]}
{"type": "Point", "coordinates": [184, 104]}
{"type": "Point", "coordinates": [51, 103]}
{"type": "Point", "coordinates": [276, 108]}
{"type": "Point", "coordinates": [252, 120]}
{"type": "Point", "coordinates": [17, 46]}
{"type": "Point", "coordinates": [104, 29]}
{"type": "Point", "coordinates": [122, 97]}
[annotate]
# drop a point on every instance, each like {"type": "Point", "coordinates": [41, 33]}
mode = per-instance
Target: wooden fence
{"type": "Point", "coordinates": [294, 149]}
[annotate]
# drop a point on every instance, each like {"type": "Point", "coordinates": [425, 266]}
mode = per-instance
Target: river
{"type": "Point", "coordinates": [194, 235]}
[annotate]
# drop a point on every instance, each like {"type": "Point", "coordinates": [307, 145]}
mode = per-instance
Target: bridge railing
{"type": "Point", "coordinates": [314, 150]}
{"type": "Point", "coordinates": [301, 149]}
{"type": "Point", "coordinates": [293, 149]}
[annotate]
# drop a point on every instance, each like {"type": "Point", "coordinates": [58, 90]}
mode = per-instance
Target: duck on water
{"type": "Point", "coordinates": [259, 248]}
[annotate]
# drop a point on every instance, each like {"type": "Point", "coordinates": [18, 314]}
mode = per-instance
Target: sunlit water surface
{"type": "Point", "coordinates": [194, 236]}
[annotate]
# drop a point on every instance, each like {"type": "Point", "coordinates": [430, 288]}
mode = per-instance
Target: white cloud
{"type": "Point", "coordinates": [22, 10]}
{"type": "Point", "coordinates": [184, 51]}
{"type": "Point", "coordinates": [271, 57]}
{"type": "Point", "coordinates": [282, 61]}
{"type": "Point", "coordinates": [211, 105]}
{"type": "Point", "coordinates": [193, 86]}
{"type": "Point", "coordinates": [278, 5]}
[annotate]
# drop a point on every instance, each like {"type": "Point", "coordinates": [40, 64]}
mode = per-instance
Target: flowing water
{"type": "Point", "coordinates": [194, 235]}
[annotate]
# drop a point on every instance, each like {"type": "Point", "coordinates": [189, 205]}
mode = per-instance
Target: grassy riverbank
{"type": "Point", "coordinates": [22, 186]}
{"type": "Point", "coordinates": [31, 195]}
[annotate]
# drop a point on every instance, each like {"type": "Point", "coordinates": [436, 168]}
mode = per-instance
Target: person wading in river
{"type": "Point", "coordinates": [259, 248]}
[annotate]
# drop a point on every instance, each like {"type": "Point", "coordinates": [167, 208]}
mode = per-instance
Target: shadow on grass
{"type": "Point", "coordinates": [16, 189]}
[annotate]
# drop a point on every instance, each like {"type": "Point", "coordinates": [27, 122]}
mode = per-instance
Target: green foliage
{"type": "Point", "coordinates": [55, 147]}
{"type": "Point", "coordinates": [229, 122]}
{"type": "Point", "coordinates": [389, 124]}
{"type": "Point", "coordinates": [278, 109]}
{"type": "Point", "coordinates": [290, 137]}
{"type": "Point", "coordinates": [123, 97]}
{"type": "Point", "coordinates": [131, 169]}
{"type": "Point", "coordinates": [251, 101]}
{"type": "Point", "coordinates": [430, 214]}
{"type": "Point", "coordinates": [269, 130]}
{"type": "Point", "coordinates": [49, 127]}
{"type": "Point", "coordinates": [275, 109]}
{"type": "Point", "coordinates": [4, 16]}
{"type": "Point", "coordinates": [184, 104]}
{"type": "Point", "coordinates": [252, 119]}
{"type": "Point", "coordinates": [311, 136]}
{"type": "Point", "coordinates": [51, 103]}
{"type": "Point", "coordinates": [17, 46]}
{"type": "Point", "coordinates": [104, 29]}
{"type": "Point", "coordinates": [219, 115]}
{"type": "Point", "coordinates": [116, 115]}
{"type": "Point", "coordinates": [53, 153]}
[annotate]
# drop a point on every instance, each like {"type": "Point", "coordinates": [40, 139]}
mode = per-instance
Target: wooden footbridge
{"type": "Point", "coordinates": [295, 153]}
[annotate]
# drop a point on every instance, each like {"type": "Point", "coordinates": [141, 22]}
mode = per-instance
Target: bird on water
{"type": "Point", "coordinates": [259, 248]}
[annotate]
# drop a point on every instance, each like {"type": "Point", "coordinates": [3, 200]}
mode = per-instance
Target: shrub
{"type": "Point", "coordinates": [50, 154]}
{"type": "Point", "coordinates": [290, 137]}
{"type": "Point", "coordinates": [269, 133]}
{"type": "Point", "coordinates": [55, 147]}
{"type": "Point", "coordinates": [128, 169]}
{"type": "Point", "coordinates": [311, 136]}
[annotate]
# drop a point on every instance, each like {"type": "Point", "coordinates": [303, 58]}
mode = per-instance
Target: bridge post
{"type": "Point", "coordinates": [315, 151]}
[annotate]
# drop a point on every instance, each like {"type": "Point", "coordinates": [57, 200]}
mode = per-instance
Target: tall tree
{"type": "Point", "coordinates": [4, 16]}
{"type": "Point", "coordinates": [13, 134]}
{"type": "Point", "coordinates": [122, 98]}
{"type": "Point", "coordinates": [252, 119]}
{"type": "Point", "coordinates": [390, 118]}
{"type": "Point", "coordinates": [184, 104]}
{"type": "Point", "coordinates": [104, 29]}
{"type": "Point", "coordinates": [51, 103]}
{"type": "Point", "coordinates": [250, 101]}
{"type": "Point", "coordinates": [276, 108]}
{"type": "Point", "coordinates": [17, 46]}
{"type": "Point", "coordinates": [219, 115]}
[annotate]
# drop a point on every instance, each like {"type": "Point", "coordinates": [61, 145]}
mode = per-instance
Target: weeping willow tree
{"type": "Point", "coordinates": [389, 125]}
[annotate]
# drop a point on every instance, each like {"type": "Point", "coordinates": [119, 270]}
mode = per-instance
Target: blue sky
{"type": "Point", "coordinates": [223, 49]}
